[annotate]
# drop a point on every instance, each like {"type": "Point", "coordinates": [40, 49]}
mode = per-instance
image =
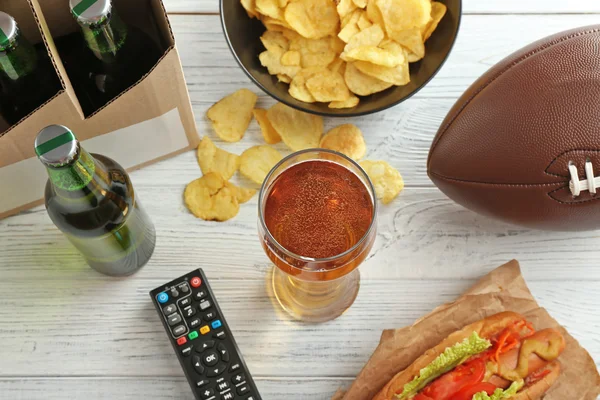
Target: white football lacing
{"type": "Point", "coordinates": [591, 183]}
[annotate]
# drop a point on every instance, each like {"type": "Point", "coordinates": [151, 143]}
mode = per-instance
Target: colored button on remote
{"type": "Point", "coordinates": [162, 298]}
{"type": "Point", "coordinates": [195, 282]}
{"type": "Point", "coordinates": [216, 324]}
{"type": "Point", "coordinates": [181, 340]}
{"type": "Point", "coordinates": [193, 335]}
{"type": "Point", "coordinates": [204, 330]}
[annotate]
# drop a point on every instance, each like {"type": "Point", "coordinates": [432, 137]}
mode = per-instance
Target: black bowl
{"type": "Point", "coordinates": [243, 36]}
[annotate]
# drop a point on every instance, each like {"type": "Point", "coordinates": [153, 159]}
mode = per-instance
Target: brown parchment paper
{"type": "Point", "coordinates": [503, 289]}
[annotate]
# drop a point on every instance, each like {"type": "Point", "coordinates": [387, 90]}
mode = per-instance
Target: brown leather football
{"type": "Point", "coordinates": [523, 142]}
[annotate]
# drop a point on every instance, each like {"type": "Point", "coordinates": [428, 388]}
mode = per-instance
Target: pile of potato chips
{"type": "Point", "coordinates": [332, 50]}
{"type": "Point", "coordinates": [213, 198]}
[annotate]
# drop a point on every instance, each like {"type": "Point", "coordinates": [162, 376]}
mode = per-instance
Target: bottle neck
{"type": "Point", "coordinates": [19, 60]}
{"type": "Point", "coordinates": [105, 38]}
{"type": "Point", "coordinates": [76, 177]}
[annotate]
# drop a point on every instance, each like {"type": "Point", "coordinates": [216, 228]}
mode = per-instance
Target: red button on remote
{"type": "Point", "coordinates": [181, 340]}
{"type": "Point", "coordinates": [196, 282]}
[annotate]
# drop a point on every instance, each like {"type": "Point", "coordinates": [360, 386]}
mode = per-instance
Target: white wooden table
{"type": "Point", "coordinates": [67, 332]}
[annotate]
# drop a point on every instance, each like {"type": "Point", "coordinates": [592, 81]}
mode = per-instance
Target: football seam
{"type": "Point", "coordinates": [499, 184]}
{"type": "Point", "coordinates": [502, 72]}
{"type": "Point", "coordinates": [562, 154]}
{"type": "Point", "coordinates": [569, 203]}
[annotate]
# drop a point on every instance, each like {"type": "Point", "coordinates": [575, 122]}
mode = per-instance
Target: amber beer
{"type": "Point", "coordinates": [317, 214]}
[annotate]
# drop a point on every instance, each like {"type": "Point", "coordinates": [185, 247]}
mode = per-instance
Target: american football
{"type": "Point", "coordinates": [522, 144]}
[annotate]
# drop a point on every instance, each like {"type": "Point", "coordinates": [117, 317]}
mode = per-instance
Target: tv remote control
{"type": "Point", "coordinates": [206, 349]}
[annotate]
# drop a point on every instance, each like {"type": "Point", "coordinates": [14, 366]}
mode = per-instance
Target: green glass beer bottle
{"type": "Point", "coordinates": [27, 78]}
{"type": "Point", "coordinates": [112, 56]}
{"type": "Point", "coordinates": [89, 197]}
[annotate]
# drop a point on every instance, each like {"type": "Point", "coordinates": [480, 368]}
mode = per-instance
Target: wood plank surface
{"type": "Point", "coordinates": [469, 6]}
{"type": "Point", "coordinates": [108, 327]}
{"type": "Point", "coordinates": [114, 388]}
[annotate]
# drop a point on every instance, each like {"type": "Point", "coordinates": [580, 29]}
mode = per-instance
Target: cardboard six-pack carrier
{"type": "Point", "coordinates": [150, 121]}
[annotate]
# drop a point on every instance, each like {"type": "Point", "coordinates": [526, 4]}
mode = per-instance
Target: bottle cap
{"type": "Point", "coordinates": [9, 32]}
{"type": "Point", "coordinates": [56, 146]}
{"type": "Point", "coordinates": [90, 12]}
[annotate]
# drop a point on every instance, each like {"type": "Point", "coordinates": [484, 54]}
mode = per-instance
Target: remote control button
{"type": "Point", "coordinates": [174, 319]}
{"type": "Point", "coordinates": [185, 302]}
{"type": "Point", "coordinates": [238, 378]}
{"type": "Point", "coordinates": [234, 367]}
{"type": "Point", "coordinates": [215, 371]}
{"type": "Point", "coordinates": [179, 330]}
{"type": "Point", "coordinates": [222, 385]}
{"type": "Point", "coordinates": [205, 305]}
{"type": "Point", "coordinates": [220, 335]}
{"type": "Point", "coordinates": [223, 352]}
{"type": "Point", "coordinates": [181, 340]}
{"type": "Point", "coordinates": [184, 288]}
{"type": "Point", "coordinates": [193, 335]}
{"type": "Point", "coordinates": [189, 311]}
{"type": "Point", "coordinates": [197, 364]}
{"type": "Point", "coordinates": [174, 293]}
{"type": "Point", "coordinates": [186, 351]}
{"type": "Point", "coordinates": [210, 358]}
{"type": "Point", "coordinates": [201, 383]}
{"type": "Point", "coordinates": [206, 345]}
{"type": "Point", "coordinates": [209, 316]}
{"type": "Point", "coordinates": [216, 324]}
{"type": "Point", "coordinates": [194, 323]}
{"type": "Point", "coordinates": [243, 390]}
{"type": "Point", "coordinates": [204, 330]}
{"type": "Point", "coordinates": [195, 282]}
{"type": "Point", "coordinates": [162, 298]}
{"type": "Point", "coordinates": [200, 295]}
{"type": "Point", "coordinates": [170, 309]}
{"type": "Point", "coordinates": [227, 396]}
{"type": "Point", "coordinates": [207, 393]}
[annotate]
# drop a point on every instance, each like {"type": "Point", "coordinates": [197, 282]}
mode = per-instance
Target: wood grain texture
{"type": "Point", "coordinates": [469, 6]}
{"type": "Point", "coordinates": [108, 327]}
{"type": "Point", "coordinates": [115, 388]}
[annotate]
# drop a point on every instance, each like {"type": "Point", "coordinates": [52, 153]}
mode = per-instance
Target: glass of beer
{"type": "Point", "coordinates": [317, 223]}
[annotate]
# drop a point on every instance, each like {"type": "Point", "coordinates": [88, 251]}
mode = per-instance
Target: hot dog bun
{"type": "Point", "coordinates": [485, 328]}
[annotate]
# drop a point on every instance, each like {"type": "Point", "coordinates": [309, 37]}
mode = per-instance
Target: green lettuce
{"type": "Point", "coordinates": [450, 358]}
{"type": "Point", "coordinates": [500, 394]}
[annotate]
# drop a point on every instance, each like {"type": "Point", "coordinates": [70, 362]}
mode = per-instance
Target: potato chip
{"type": "Point", "coordinates": [348, 32]}
{"type": "Point", "coordinates": [375, 55]}
{"type": "Point", "coordinates": [291, 58]}
{"type": "Point", "coordinates": [298, 130]}
{"type": "Point", "coordinates": [412, 40]}
{"type": "Point", "coordinates": [387, 181]}
{"type": "Point", "coordinates": [313, 19]}
{"type": "Point", "coordinates": [283, 78]}
{"type": "Point", "coordinates": [213, 159]}
{"type": "Point", "coordinates": [350, 103]}
{"type": "Point", "coordinates": [398, 75]}
{"type": "Point", "coordinates": [351, 18]}
{"type": "Point", "coordinates": [328, 86]}
{"type": "Point", "coordinates": [438, 10]}
{"type": "Point", "coordinates": [314, 52]}
{"type": "Point", "coordinates": [269, 133]}
{"type": "Point", "coordinates": [241, 194]}
{"type": "Point", "coordinates": [257, 161]}
{"type": "Point", "coordinates": [399, 15]}
{"type": "Point", "coordinates": [346, 139]}
{"type": "Point", "coordinates": [345, 7]}
{"type": "Point", "coordinates": [338, 65]}
{"type": "Point", "coordinates": [231, 115]}
{"type": "Point", "coordinates": [364, 22]}
{"type": "Point", "coordinates": [374, 13]}
{"type": "Point", "coordinates": [210, 199]}
{"type": "Point", "coordinates": [372, 36]}
{"type": "Point", "coordinates": [283, 3]}
{"type": "Point", "coordinates": [360, 3]}
{"type": "Point", "coordinates": [275, 42]}
{"type": "Point", "coordinates": [276, 25]}
{"type": "Point", "coordinates": [250, 7]}
{"type": "Point", "coordinates": [363, 84]}
{"type": "Point", "coordinates": [298, 89]}
{"type": "Point", "coordinates": [269, 8]}
{"type": "Point", "coordinates": [272, 61]}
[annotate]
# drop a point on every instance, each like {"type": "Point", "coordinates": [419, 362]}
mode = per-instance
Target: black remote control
{"type": "Point", "coordinates": [206, 349]}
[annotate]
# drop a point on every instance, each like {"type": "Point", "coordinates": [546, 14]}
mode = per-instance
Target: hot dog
{"type": "Point", "coordinates": [499, 357]}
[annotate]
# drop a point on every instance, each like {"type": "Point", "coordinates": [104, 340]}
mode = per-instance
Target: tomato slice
{"type": "Point", "coordinates": [468, 392]}
{"type": "Point", "coordinates": [467, 374]}
{"type": "Point", "coordinates": [421, 396]}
